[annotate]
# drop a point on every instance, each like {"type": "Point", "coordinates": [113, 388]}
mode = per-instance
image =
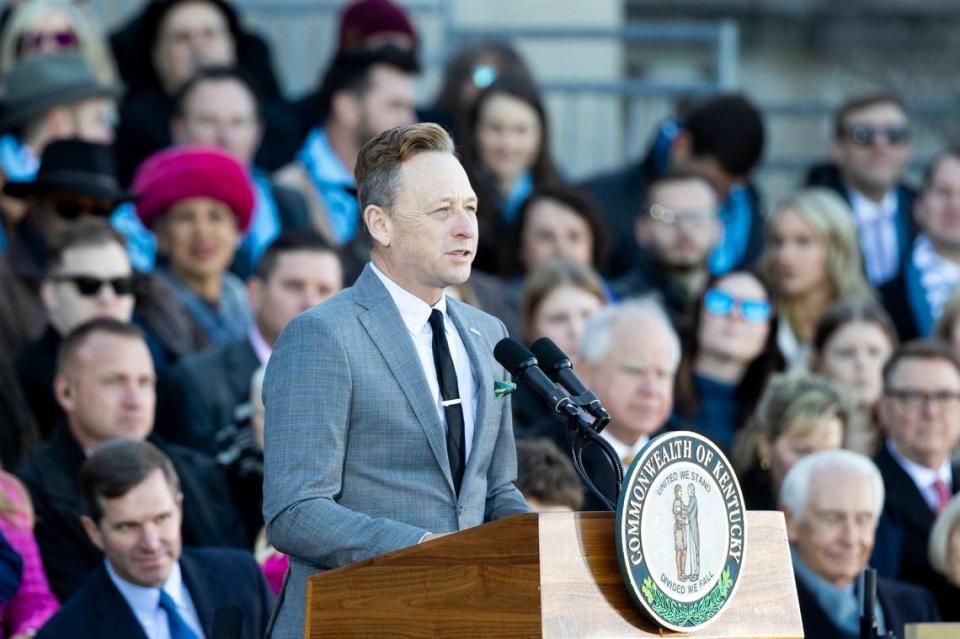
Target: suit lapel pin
{"type": "Point", "coordinates": [502, 389]}
{"type": "Point", "coordinates": [474, 331]}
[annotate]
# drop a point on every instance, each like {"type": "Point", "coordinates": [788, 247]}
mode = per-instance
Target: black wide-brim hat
{"type": "Point", "coordinates": [73, 167]}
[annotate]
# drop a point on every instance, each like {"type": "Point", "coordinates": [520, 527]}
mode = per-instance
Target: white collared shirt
{"type": "Point", "coordinates": [415, 314]}
{"type": "Point", "coordinates": [260, 346]}
{"type": "Point", "coordinates": [877, 232]}
{"type": "Point", "coordinates": [924, 477]}
{"type": "Point", "coordinates": [623, 450]}
{"type": "Point", "coordinates": [145, 603]}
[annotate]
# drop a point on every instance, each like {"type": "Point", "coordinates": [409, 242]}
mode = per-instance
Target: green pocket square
{"type": "Point", "coordinates": [502, 389]}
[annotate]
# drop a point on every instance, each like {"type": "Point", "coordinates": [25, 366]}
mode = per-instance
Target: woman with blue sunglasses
{"type": "Point", "coordinates": [729, 349]}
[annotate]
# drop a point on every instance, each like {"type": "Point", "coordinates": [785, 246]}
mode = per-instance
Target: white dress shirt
{"type": "Point", "coordinates": [623, 450]}
{"type": "Point", "coordinates": [415, 314]}
{"type": "Point", "coordinates": [145, 603]}
{"type": "Point", "coordinates": [877, 232]}
{"type": "Point", "coordinates": [924, 477]}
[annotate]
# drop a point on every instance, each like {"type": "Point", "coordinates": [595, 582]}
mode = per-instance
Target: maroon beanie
{"type": "Point", "coordinates": [183, 172]}
{"type": "Point", "coordinates": [365, 18]}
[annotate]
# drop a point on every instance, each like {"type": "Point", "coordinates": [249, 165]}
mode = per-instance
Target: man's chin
{"type": "Point", "coordinates": [457, 276]}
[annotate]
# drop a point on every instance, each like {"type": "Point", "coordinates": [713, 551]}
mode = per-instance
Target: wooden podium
{"type": "Point", "coordinates": [548, 575]}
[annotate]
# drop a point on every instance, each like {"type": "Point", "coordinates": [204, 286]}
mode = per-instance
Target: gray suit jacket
{"type": "Point", "coordinates": [355, 456]}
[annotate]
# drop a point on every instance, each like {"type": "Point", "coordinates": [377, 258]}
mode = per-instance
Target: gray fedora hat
{"type": "Point", "coordinates": [41, 82]}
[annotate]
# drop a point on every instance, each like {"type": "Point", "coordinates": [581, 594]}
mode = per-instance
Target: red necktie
{"type": "Point", "coordinates": [943, 495]}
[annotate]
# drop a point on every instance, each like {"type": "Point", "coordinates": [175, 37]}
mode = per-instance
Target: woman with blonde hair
{"type": "Point", "coordinates": [944, 554]}
{"type": "Point", "coordinates": [37, 27]}
{"type": "Point", "coordinates": [798, 414]}
{"type": "Point", "coordinates": [812, 258]}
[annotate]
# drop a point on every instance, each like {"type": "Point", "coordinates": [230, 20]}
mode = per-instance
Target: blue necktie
{"type": "Point", "coordinates": [178, 627]}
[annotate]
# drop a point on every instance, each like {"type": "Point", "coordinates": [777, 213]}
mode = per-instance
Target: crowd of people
{"type": "Point", "coordinates": [167, 211]}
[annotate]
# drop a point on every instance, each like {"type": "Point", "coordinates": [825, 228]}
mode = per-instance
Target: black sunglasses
{"type": "Point", "coordinates": [88, 285]}
{"type": "Point", "coordinates": [866, 135]}
{"type": "Point", "coordinates": [72, 209]}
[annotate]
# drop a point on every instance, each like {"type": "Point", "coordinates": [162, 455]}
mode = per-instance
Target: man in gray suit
{"type": "Point", "coordinates": [382, 432]}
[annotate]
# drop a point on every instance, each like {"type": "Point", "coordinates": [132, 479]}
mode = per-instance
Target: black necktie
{"type": "Point", "coordinates": [450, 392]}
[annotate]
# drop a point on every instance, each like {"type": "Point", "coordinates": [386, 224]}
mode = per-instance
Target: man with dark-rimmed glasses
{"type": "Point", "coordinates": [676, 229]}
{"type": "Point", "coordinates": [869, 152]}
{"type": "Point", "coordinates": [920, 414]}
{"type": "Point", "coordinates": [89, 275]}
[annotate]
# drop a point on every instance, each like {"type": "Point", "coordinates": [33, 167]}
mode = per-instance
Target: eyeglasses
{"type": "Point", "coordinates": [672, 218]}
{"type": "Point", "coordinates": [720, 303]}
{"type": "Point", "coordinates": [29, 42]}
{"type": "Point", "coordinates": [915, 399]}
{"type": "Point", "coordinates": [71, 209]}
{"type": "Point", "coordinates": [866, 135]}
{"type": "Point", "coordinates": [87, 285]}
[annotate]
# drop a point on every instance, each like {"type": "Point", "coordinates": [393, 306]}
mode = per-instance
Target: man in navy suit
{"type": "Point", "coordinates": [832, 501]}
{"type": "Point", "coordinates": [920, 413]}
{"type": "Point", "coordinates": [149, 586]}
{"type": "Point", "coordinates": [869, 154]}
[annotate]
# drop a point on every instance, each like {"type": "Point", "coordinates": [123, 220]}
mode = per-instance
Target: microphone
{"type": "Point", "coordinates": [521, 363]}
{"type": "Point", "coordinates": [228, 622]}
{"type": "Point", "coordinates": [558, 367]}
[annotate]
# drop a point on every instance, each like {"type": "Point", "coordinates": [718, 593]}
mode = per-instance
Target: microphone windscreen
{"type": "Point", "coordinates": [228, 623]}
{"type": "Point", "coordinates": [548, 354]}
{"type": "Point", "coordinates": [511, 353]}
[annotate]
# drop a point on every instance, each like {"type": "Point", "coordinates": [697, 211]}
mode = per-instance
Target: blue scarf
{"type": "Point", "coordinates": [230, 319]}
{"type": "Point", "coordinates": [519, 192]}
{"type": "Point", "coordinates": [334, 182]}
{"type": "Point", "coordinates": [930, 279]}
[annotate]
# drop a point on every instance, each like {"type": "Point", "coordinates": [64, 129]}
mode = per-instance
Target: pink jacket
{"type": "Point", "coordinates": [34, 603]}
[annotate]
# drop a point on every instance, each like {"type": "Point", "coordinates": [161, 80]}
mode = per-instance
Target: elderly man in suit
{"type": "Point", "coordinates": [382, 428]}
{"type": "Point", "coordinates": [149, 586]}
{"type": "Point", "coordinates": [832, 502]}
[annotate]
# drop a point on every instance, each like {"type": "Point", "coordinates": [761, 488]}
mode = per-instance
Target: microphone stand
{"type": "Point", "coordinates": [579, 435]}
{"type": "Point", "coordinates": [868, 614]}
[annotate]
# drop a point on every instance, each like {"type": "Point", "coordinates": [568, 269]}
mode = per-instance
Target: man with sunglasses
{"type": "Point", "coordinates": [89, 276]}
{"type": "Point", "coordinates": [868, 156]}
{"type": "Point", "coordinates": [920, 412]}
{"type": "Point", "coordinates": [676, 229]}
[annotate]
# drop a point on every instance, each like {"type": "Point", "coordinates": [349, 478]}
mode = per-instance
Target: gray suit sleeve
{"type": "Point", "coordinates": [307, 391]}
{"type": "Point", "coordinates": [503, 497]}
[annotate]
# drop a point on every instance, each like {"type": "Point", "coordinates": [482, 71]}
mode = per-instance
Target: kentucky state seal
{"type": "Point", "coordinates": [681, 531]}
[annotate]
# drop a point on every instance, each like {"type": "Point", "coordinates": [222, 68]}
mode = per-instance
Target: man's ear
{"type": "Point", "coordinates": [833, 151]}
{"type": "Point", "coordinates": [641, 232]}
{"type": "Point", "coordinates": [792, 532]}
{"type": "Point", "coordinates": [93, 532]}
{"type": "Point", "coordinates": [682, 147]}
{"type": "Point", "coordinates": [379, 224]}
{"type": "Point", "coordinates": [46, 294]}
{"type": "Point", "coordinates": [254, 293]}
{"type": "Point", "coordinates": [345, 108]}
{"type": "Point", "coordinates": [63, 392]}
